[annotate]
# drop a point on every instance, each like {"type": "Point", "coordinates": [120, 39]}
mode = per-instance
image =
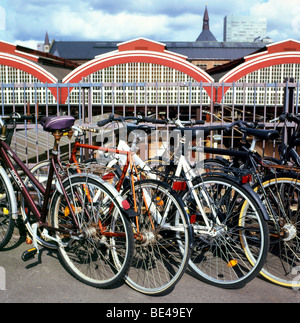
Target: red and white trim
{"type": "Point", "coordinates": [258, 62]}
{"type": "Point", "coordinates": [118, 58]}
{"type": "Point", "coordinates": [28, 67]}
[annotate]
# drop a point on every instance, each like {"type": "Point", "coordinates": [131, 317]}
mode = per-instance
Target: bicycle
{"type": "Point", "coordinates": [158, 219]}
{"type": "Point", "coordinates": [226, 251]}
{"type": "Point", "coordinates": [278, 186]}
{"type": "Point", "coordinates": [94, 239]}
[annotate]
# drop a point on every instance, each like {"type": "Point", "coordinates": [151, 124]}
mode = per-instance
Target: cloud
{"type": "Point", "coordinates": [282, 16]}
{"type": "Point", "coordinates": [96, 25]}
{"type": "Point", "coordinates": [126, 19]}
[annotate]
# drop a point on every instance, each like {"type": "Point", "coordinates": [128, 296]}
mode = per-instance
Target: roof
{"type": "Point", "coordinates": [57, 66]}
{"type": "Point", "coordinates": [266, 52]}
{"type": "Point", "coordinates": [78, 50]}
{"type": "Point", "coordinates": [81, 50]}
{"type": "Point", "coordinates": [206, 34]}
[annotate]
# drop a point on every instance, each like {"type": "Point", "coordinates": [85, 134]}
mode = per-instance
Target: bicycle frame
{"type": "Point", "coordinates": [124, 149]}
{"type": "Point", "coordinates": [131, 161]}
{"type": "Point", "coordinates": [5, 152]}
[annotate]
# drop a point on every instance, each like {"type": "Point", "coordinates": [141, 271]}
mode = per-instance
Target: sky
{"type": "Point", "coordinates": [26, 22]}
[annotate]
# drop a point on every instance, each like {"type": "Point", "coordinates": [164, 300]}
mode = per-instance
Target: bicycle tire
{"type": "Point", "coordinates": [7, 223]}
{"type": "Point", "coordinates": [98, 259]}
{"type": "Point", "coordinates": [234, 252]}
{"type": "Point", "coordinates": [282, 263]}
{"type": "Point", "coordinates": [161, 255]}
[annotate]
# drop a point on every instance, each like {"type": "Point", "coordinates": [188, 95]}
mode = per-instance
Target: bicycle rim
{"type": "Point", "coordinates": [162, 243]}
{"type": "Point", "coordinates": [283, 260]}
{"type": "Point", "coordinates": [7, 223]}
{"type": "Point", "coordinates": [102, 253]}
{"type": "Point", "coordinates": [234, 250]}
{"type": "Point", "coordinates": [40, 172]}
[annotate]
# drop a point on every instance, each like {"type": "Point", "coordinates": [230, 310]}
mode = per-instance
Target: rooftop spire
{"type": "Point", "coordinates": [206, 34]}
{"type": "Point", "coordinates": [206, 20]}
{"type": "Point", "coordinates": [47, 42]}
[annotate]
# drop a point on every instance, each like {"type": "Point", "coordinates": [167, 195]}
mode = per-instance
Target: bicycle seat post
{"type": "Point", "coordinates": [57, 136]}
{"type": "Point", "coordinates": [3, 134]}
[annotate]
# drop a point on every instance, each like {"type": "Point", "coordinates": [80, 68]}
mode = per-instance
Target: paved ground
{"type": "Point", "coordinates": [45, 280]}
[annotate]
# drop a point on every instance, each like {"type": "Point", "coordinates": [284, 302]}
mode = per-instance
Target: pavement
{"type": "Point", "coordinates": [43, 279]}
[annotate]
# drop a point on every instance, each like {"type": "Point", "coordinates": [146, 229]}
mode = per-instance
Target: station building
{"type": "Point", "coordinates": [150, 75]}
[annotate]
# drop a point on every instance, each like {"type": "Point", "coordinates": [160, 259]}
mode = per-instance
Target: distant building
{"type": "Point", "coordinates": [206, 52]}
{"type": "Point", "coordinates": [244, 28]}
{"type": "Point", "coordinates": [44, 47]}
{"type": "Point", "coordinates": [206, 34]}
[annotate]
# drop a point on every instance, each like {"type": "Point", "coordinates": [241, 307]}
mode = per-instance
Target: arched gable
{"type": "Point", "coordinates": [30, 68]}
{"type": "Point", "coordinates": [139, 51]}
{"type": "Point", "coordinates": [285, 52]}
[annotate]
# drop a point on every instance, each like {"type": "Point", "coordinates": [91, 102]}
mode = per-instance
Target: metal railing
{"type": "Point", "coordinates": [88, 102]}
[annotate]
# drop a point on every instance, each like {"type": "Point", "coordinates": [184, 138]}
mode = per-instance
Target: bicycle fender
{"type": "Point", "coordinates": [11, 193]}
{"type": "Point", "coordinates": [257, 200]}
{"type": "Point", "coordinates": [108, 186]}
{"type": "Point", "coordinates": [117, 196]}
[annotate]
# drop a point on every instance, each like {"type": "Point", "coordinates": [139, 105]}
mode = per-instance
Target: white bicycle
{"type": "Point", "coordinates": [229, 222]}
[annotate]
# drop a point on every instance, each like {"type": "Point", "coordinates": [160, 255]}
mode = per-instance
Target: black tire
{"type": "Point", "coordinates": [234, 251]}
{"type": "Point", "coordinates": [7, 223]}
{"type": "Point", "coordinates": [283, 193]}
{"type": "Point", "coordinates": [162, 249]}
{"type": "Point", "coordinates": [98, 259]}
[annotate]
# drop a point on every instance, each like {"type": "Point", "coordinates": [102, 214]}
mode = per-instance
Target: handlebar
{"type": "Point", "coordinates": [181, 124]}
{"type": "Point", "coordinates": [290, 117]}
{"type": "Point", "coordinates": [140, 119]}
{"type": "Point", "coordinates": [18, 116]}
{"type": "Point", "coordinates": [14, 117]}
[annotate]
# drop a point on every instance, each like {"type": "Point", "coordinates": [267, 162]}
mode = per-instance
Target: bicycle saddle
{"type": "Point", "coordinates": [261, 134]}
{"type": "Point", "coordinates": [51, 124]}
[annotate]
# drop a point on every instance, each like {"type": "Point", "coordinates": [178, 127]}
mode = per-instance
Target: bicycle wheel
{"type": "Point", "coordinates": [283, 260]}
{"type": "Point", "coordinates": [97, 246]}
{"type": "Point", "coordinates": [7, 223]}
{"type": "Point", "coordinates": [40, 171]}
{"type": "Point", "coordinates": [232, 251]}
{"type": "Point", "coordinates": [162, 238]}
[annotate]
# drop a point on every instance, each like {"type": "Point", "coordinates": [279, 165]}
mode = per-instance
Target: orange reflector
{"type": "Point", "coordinates": [179, 186]}
{"type": "Point", "coordinates": [193, 218]}
{"type": "Point", "coordinates": [232, 263]}
{"type": "Point", "coordinates": [28, 240]}
{"type": "Point", "coordinates": [159, 201]}
{"type": "Point", "coordinates": [108, 177]}
{"type": "Point", "coordinates": [67, 210]}
{"type": "Point", "coordinates": [246, 179]}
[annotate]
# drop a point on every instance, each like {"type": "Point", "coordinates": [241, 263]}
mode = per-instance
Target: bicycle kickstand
{"type": "Point", "coordinates": [29, 254]}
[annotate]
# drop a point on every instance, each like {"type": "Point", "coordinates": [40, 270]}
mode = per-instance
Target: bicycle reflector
{"type": "Point", "coordinates": [126, 205]}
{"type": "Point", "coordinates": [246, 179]}
{"type": "Point", "coordinates": [108, 177]}
{"type": "Point", "coordinates": [193, 218]}
{"type": "Point", "coordinates": [179, 186]}
{"type": "Point", "coordinates": [232, 263]}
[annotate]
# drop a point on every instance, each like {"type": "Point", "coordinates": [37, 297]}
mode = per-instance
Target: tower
{"type": "Point", "coordinates": [47, 43]}
{"type": "Point", "coordinates": [206, 34]}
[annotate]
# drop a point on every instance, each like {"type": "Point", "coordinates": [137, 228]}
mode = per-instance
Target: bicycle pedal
{"type": "Point", "coordinates": [29, 254]}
